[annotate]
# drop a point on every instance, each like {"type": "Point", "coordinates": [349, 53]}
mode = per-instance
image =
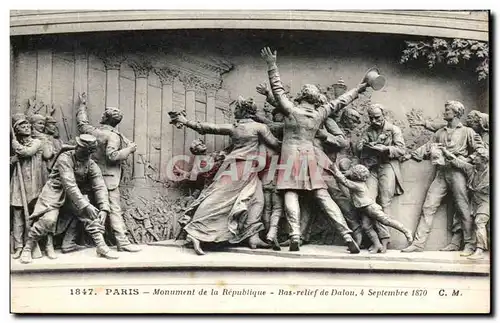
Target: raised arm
{"type": "Point", "coordinates": [261, 119]}
{"type": "Point", "coordinates": [334, 106]}
{"type": "Point", "coordinates": [283, 103]}
{"type": "Point", "coordinates": [82, 119]}
{"type": "Point", "coordinates": [264, 90]}
{"type": "Point", "coordinates": [268, 138]}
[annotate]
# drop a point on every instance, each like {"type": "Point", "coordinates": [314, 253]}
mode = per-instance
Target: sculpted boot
{"type": "Point", "coordinates": [17, 253]}
{"type": "Point", "coordinates": [352, 246]}
{"type": "Point", "coordinates": [477, 255]}
{"type": "Point", "coordinates": [450, 247]}
{"type": "Point", "coordinates": [294, 243]}
{"type": "Point", "coordinates": [27, 250]}
{"type": "Point", "coordinates": [101, 248]}
{"type": "Point", "coordinates": [412, 248]}
{"type": "Point", "coordinates": [129, 248]}
{"type": "Point", "coordinates": [401, 228]}
{"type": "Point", "coordinates": [255, 242]}
{"type": "Point", "coordinates": [468, 251]}
{"type": "Point", "coordinates": [272, 239]}
{"type": "Point", "coordinates": [49, 248]}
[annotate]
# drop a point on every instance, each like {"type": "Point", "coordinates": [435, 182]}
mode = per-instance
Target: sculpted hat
{"type": "Point", "coordinates": [86, 141]}
{"type": "Point", "coordinates": [36, 117]}
{"type": "Point", "coordinates": [19, 121]}
{"type": "Point", "coordinates": [50, 119]}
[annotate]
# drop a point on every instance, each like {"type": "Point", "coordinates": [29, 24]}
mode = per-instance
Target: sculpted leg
{"type": "Point", "coordinates": [17, 231]}
{"type": "Point", "coordinates": [292, 211]}
{"type": "Point", "coordinates": [334, 213]}
{"type": "Point", "coordinates": [437, 191]}
{"type": "Point", "coordinates": [41, 228]}
{"type": "Point", "coordinates": [117, 223]}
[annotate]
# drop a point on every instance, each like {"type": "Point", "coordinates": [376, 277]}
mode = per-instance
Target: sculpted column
{"type": "Point", "coordinates": [167, 77]}
{"type": "Point", "coordinates": [190, 83]}
{"type": "Point", "coordinates": [210, 115]}
{"type": "Point", "coordinates": [141, 70]}
{"type": "Point", "coordinates": [112, 62]}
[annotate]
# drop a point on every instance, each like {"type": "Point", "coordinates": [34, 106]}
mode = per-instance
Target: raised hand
{"type": "Point", "coordinates": [177, 118]}
{"type": "Point", "coordinates": [262, 89]}
{"type": "Point", "coordinates": [268, 55]}
{"type": "Point", "coordinates": [132, 146]}
{"type": "Point", "coordinates": [83, 98]}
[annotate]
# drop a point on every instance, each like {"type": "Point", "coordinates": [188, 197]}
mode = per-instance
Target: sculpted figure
{"type": "Point", "coordinates": [462, 142]}
{"type": "Point", "coordinates": [379, 149]}
{"type": "Point", "coordinates": [478, 182]}
{"type": "Point", "coordinates": [73, 176]}
{"type": "Point", "coordinates": [479, 122]}
{"type": "Point", "coordinates": [27, 179]}
{"type": "Point", "coordinates": [355, 181]}
{"type": "Point", "coordinates": [229, 210]}
{"type": "Point", "coordinates": [302, 121]}
{"type": "Point", "coordinates": [112, 149]}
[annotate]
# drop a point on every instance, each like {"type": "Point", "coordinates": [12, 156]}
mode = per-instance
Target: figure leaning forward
{"type": "Point", "coordinates": [74, 177]}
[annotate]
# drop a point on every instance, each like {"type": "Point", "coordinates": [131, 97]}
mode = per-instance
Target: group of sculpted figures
{"type": "Point", "coordinates": [278, 166]}
{"type": "Point", "coordinates": [282, 165]}
{"type": "Point", "coordinates": [57, 188]}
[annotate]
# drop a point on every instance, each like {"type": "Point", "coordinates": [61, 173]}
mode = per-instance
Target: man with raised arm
{"type": "Point", "coordinates": [112, 149]}
{"type": "Point", "coordinates": [309, 164]}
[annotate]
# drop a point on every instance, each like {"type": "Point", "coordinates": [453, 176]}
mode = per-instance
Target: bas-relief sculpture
{"type": "Point", "coordinates": [355, 147]}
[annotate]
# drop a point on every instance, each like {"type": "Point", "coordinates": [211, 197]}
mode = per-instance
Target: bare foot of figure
{"type": "Point", "coordinates": [196, 245]}
{"type": "Point", "coordinates": [255, 242]}
{"type": "Point", "coordinates": [385, 244]}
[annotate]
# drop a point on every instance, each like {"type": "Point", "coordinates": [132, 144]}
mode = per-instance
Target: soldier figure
{"type": "Point", "coordinates": [302, 121]}
{"type": "Point", "coordinates": [30, 153]}
{"type": "Point", "coordinates": [462, 142]}
{"type": "Point", "coordinates": [74, 174]}
{"type": "Point", "coordinates": [380, 148]}
{"type": "Point", "coordinates": [112, 149]}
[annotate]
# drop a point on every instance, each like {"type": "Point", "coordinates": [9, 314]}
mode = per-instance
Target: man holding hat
{"type": "Point", "coordinates": [73, 176]}
{"type": "Point", "coordinates": [30, 153]}
{"type": "Point", "coordinates": [112, 149]}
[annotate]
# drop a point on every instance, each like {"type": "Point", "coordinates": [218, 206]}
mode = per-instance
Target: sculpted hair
{"type": "Point", "coordinates": [359, 173]}
{"type": "Point", "coordinates": [375, 106]}
{"type": "Point", "coordinates": [311, 94]}
{"type": "Point", "coordinates": [456, 106]}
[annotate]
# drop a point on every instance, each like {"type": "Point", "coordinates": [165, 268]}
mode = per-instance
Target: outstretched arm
{"type": "Point", "coordinates": [284, 104]}
{"type": "Point", "coordinates": [341, 179]}
{"type": "Point", "coordinates": [202, 127]}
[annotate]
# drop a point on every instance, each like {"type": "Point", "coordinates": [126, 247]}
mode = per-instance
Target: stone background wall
{"type": "Point", "coordinates": [226, 64]}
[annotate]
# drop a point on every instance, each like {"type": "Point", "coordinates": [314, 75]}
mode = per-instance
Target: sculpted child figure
{"type": "Point", "coordinates": [355, 181]}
